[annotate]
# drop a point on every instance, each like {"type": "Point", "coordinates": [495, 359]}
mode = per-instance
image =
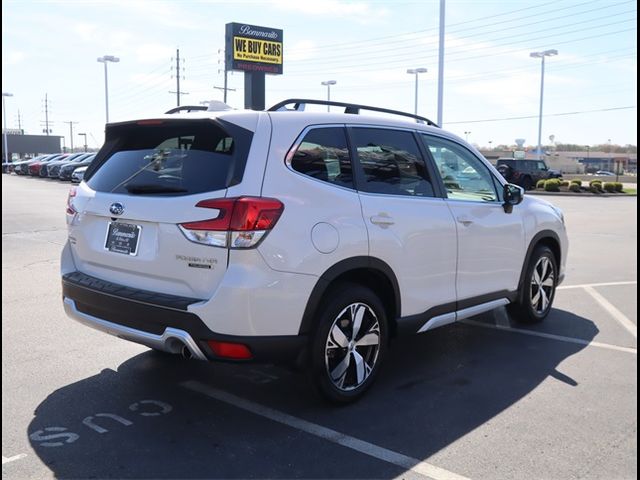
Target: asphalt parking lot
{"type": "Point", "coordinates": [479, 399]}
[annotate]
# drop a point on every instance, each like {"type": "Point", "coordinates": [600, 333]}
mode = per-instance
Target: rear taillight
{"type": "Point", "coordinates": [241, 222]}
{"type": "Point", "coordinates": [70, 208]}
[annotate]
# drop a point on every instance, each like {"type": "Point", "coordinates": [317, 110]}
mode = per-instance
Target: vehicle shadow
{"type": "Point", "coordinates": [140, 422]}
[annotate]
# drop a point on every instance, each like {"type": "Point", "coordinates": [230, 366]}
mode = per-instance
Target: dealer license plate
{"type": "Point", "coordinates": [123, 238]}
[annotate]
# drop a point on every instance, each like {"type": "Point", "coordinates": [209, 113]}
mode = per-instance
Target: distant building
{"type": "Point", "coordinates": [21, 145]}
{"type": "Point", "coordinates": [576, 162]}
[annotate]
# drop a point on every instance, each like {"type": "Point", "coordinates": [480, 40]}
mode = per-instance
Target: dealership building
{"type": "Point", "coordinates": [21, 146]}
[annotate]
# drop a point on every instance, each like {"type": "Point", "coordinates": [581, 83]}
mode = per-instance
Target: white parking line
{"type": "Point", "coordinates": [613, 311]}
{"type": "Point", "coordinates": [605, 284]}
{"type": "Point", "coordinates": [561, 338]}
{"type": "Point", "coordinates": [403, 461]}
{"type": "Point", "coordinates": [13, 459]}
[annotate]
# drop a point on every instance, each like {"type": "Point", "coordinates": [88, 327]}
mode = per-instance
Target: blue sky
{"type": "Point", "coordinates": [366, 46]}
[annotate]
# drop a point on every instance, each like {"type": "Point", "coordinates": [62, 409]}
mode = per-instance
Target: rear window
{"type": "Point", "coordinates": [181, 157]}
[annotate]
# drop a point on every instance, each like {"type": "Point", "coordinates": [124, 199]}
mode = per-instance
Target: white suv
{"type": "Point", "coordinates": [303, 237]}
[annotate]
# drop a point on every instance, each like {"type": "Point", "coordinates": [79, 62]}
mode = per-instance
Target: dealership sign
{"type": "Point", "coordinates": [253, 49]}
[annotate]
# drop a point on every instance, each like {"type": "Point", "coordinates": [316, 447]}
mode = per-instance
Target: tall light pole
{"type": "Point", "coordinates": [328, 84]}
{"type": "Point", "coordinates": [85, 140]}
{"type": "Point", "coordinates": [105, 59]}
{"type": "Point", "coordinates": [542, 55]}
{"type": "Point", "coordinates": [466, 136]}
{"type": "Point", "coordinates": [4, 117]}
{"type": "Point", "coordinates": [416, 71]}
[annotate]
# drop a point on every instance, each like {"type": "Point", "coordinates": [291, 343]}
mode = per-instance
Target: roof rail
{"type": "Point", "coordinates": [187, 108]}
{"type": "Point", "coordinates": [299, 103]}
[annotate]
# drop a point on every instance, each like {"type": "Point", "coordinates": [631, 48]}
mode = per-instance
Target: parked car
{"type": "Point", "coordinates": [22, 167]}
{"type": "Point", "coordinates": [525, 173]}
{"type": "Point", "coordinates": [309, 237]}
{"type": "Point", "coordinates": [78, 174]}
{"type": "Point", "coordinates": [44, 168]}
{"type": "Point", "coordinates": [66, 171]}
{"type": "Point", "coordinates": [36, 167]}
{"type": "Point", "coordinates": [605, 173]}
{"type": "Point", "coordinates": [53, 168]}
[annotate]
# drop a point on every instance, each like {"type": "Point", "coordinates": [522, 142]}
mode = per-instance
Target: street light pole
{"type": "Point", "coordinates": [466, 136]}
{"type": "Point", "coordinates": [4, 117]}
{"type": "Point", "coordinates": [328, 84]}
{"type": "Point", "coordinates": [85, 140]}
{"type": "Point", "coordinates": [104, 59]}
{"type": "Point", "coordinates": [416, 71]}
{"type": "Point", "coordinates": [542, 55]}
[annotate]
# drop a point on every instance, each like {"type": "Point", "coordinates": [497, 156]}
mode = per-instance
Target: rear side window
{"type": "Point", "coordinates": [391, 162]}
{"type": "Point", "coordinates": [171, 158]}
{"type": "Point", "coordinates": [323, 154]}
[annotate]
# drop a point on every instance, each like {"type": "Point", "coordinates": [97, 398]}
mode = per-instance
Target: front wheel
{"type": "Point", "coordinates": [538, 288]}
{"type": "Point", "coordinates": [349, 344]}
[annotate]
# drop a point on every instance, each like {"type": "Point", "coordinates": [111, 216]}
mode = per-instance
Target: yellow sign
{"type": "Point", "coordinates": [253, 50]}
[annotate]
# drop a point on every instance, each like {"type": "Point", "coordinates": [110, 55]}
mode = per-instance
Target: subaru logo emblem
{"type": "Point", "coordinates": [116, 208]}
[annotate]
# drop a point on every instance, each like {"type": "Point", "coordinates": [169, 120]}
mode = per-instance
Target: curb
{"type": "Point", "coordinates": [585, 194]}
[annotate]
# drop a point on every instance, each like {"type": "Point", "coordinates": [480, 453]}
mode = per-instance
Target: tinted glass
{"type": "Point", "coordinates": [177, 158]}
{"type": "Point", "coordinates": [391, 162]}
{"type": "Point", "coordinates": [324, 155]}
{"type": "Point", "coordinates": [464, 175]}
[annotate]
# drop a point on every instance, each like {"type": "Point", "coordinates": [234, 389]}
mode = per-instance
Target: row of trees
{"type": "Point", "coordinates": [571, 147]}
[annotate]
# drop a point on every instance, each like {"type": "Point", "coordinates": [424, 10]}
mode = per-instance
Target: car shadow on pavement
{"type": "Point", "coordinates": [141, 422]}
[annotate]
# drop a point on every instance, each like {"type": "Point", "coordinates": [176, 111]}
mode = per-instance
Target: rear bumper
{"type": "Point", "coordinates": [162, 321]}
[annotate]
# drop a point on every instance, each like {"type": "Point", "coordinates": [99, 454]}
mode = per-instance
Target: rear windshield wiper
{"type": "Point", "coordinates": [150, 188]}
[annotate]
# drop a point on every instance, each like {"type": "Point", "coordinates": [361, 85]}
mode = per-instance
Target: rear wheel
{"type": "Point", "coordinates": [538, 288]}
{"type": "Point", "coordinates": [527, 183]}
{"type": "Point", "coordinates": [350, 343]}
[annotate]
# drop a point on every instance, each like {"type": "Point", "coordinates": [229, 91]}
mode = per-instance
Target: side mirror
{"type": "Point", "coordinates": [513, 195]}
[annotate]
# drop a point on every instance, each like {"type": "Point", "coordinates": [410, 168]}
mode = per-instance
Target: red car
{"type": "Point", "coordinates": [34, 168]}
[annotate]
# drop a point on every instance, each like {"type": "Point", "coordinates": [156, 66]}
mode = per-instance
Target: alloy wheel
{"type": "Point", "coordinates": [352, 346]}
{"type": "Point", "coordinates": [542, 285]}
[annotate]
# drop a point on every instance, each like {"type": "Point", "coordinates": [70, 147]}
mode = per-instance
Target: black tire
{"type": "Point", "coordinates": [340, 310]}
{"type": "Point", "coordinates": [531, 306]}
{"type": "Point", "coordinates": [527, 183]}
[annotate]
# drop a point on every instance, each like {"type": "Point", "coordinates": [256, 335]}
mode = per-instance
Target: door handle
{"type": "Point", "coordinates": [383, 220]}
{"type": "Point", "coordinates": [465, 221]}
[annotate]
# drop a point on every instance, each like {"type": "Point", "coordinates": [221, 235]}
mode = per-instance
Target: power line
{"type": "Point", "coordinates": [402, 59]}
{"type": "Point", "coordinates": [485, 120]}
{"type": "Point", "coordinates": [377, 66]}
{"type": "Point", "coordinates": [527, 24]}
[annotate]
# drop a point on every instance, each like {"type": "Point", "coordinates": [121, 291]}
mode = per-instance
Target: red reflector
{"type": "Point", "coordinates": [70, 209]}
{"type": "Point", "coordinates": [239, 214]}
{"type": "Point", "coordinates": [149, 122]}
{"type": "Point", "coordinates": [236, 351]}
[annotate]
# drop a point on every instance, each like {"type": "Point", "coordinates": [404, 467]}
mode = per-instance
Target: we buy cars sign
{"type": "Point", "coordinates": [250, 48]}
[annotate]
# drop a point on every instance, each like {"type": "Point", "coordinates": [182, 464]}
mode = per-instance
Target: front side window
{"type": "Point", "coordinates": [391, 162]}
{"type": "Point", "coordinates": [464, 175]}
{"type": "Point", "coordinates": [323, 154]}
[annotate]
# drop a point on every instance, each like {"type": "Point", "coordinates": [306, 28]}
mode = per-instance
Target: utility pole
{"type": "Point", "coordinates": [71, 133]}
{"type": "Point", "coordinates": [46, 130]}
{"type": "Point", "coordinates": [19, 121]}
{"type": "Point", "coordinates": [225, 89]}
{"type": "Point", "coordinates": [441, 63]}
{"type": "Point", "coordinates": [85, 140]}
{"type": "Point", "coordinates": [178, 73]}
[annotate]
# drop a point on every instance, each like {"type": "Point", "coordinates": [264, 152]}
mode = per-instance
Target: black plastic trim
{"type": "Point", "coordinates": [173, 302]}
{"type": "Point", "coordinates": [102, 300]}
{"type": "Point", "coordinates": [411, 324]}
{"type": "Point", "coordinates": [542, 235]}
{"type": "Point", "coordinates": [340, 268]}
